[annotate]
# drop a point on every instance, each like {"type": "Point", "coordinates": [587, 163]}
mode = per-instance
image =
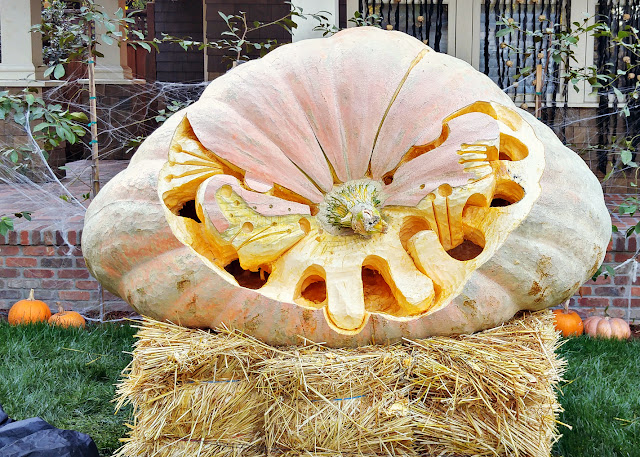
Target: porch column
{"type": "Point", "coordinates": [21, 60]}
{"type": "Point", "coordinates": [305, 27]}
{"type": "Point", "coordinates": [113, 66]}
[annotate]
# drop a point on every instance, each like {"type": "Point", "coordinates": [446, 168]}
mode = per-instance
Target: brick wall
{"type": "Point", "coordinates": [621, 293]}
{"type": "Point", "coordinates": [55, 269]}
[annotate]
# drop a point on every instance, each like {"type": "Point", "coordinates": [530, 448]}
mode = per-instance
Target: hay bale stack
{"type": "Point", "coordinates": [215, 394]}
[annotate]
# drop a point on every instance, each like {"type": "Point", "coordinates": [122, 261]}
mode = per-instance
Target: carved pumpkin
{"type": "Point", "coordinates": [67, 318]}
{"type": "Point", "coordinates": [352, 189]}
{"type": "Point", "coordinates": [29, 311]}
{"type": "Point", "coordinates": [569, 323]}
{"type": "Point", "coordinates": [607, 327]}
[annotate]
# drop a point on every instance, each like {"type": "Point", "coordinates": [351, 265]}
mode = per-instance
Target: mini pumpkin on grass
{"type": "Point", "coordinates": [29, 311]}
{"type": "Point", "coordinates": [568, 322]}
{"type": "Point", "coordinates": [607, 327]}
{"type": "Point", "coordinates": [67, 319]}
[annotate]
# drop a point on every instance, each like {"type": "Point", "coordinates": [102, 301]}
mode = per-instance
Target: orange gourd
{"type": "Point", "coordinates": [29, 311]}
{"type": "Point", "coordinates": [67, 318]}
{"type": "Point", "coordinates": [607, 327]}
{"type": "Point", "coordinates": [568, 322]}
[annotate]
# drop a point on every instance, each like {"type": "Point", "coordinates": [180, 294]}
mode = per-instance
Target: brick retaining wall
{"type": "Point", "coordinates": [51, 263]}
{"type": "Point", "coordinates": [612, 292]}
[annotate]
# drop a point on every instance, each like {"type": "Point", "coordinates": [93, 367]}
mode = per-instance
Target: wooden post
{"type": "Point", "coordinates": [93, 123]}
{"type": "Point", "coordinates": [538, 90]}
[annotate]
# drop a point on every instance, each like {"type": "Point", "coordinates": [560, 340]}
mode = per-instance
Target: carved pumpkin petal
{"type": "Point", "coordinates": [422, 92]}
{"type": "Point", "coordinates": [472, 142]}
{"type": "Point", "coordinates": [303, 106]}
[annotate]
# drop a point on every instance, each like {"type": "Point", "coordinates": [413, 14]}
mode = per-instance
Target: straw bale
{"type": "Point", "coordinates": [223, 393]}
{"type": "Point", "coordinates": [351, 426]}
{"type": "Point", "coordinates": [492, 393]}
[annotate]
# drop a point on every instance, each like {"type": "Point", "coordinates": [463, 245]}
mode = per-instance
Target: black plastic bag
{"type": "Point", "coordinates": [37, 438]}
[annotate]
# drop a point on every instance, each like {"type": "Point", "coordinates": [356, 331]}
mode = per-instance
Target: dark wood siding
{"type": "Point", "coordinates": [343, 14]}
{"type": "Point", "coordinates": [180, 18]}
{"type": "Point", "coordinates": [257, 10]}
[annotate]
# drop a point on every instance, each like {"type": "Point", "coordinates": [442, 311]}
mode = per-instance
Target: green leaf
{"type": "Point", "coordinates": [107, 39]}
{"type": "Point", "coordinates": [6, 224]}
{"type": "Point", "coordinates": [145, 46]}
{"type": "Point", "coordinates": [77, 116]}
{"type": "Point", "coordinates": [48, 71]}
{"type": "Point", "coordinates": [610, 270]}
{"type": "Point", "coordinates": [58, 72]}
{"type": "Point", "coordinates": [625, 156]}
{"type": "Point", "coordinates": [14, 156]}
{"type": "Point", "coordinates": [503, 32]}
{"type": "Point", "coordinates": [614, 228]}
{"type": "Point", "coordinates": [41, 126]}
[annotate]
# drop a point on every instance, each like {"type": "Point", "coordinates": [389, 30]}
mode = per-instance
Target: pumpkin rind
{"type": "Point", "coordinates": [568, 322]}
{"type": "Point", "coordinates": [67, 319]}
{"type": "Point", "coordinates": [543, 249]}
{"type": "Point", "coordinates": [607, 327]}
{"type": "Point", "coordinates": [29, 311]}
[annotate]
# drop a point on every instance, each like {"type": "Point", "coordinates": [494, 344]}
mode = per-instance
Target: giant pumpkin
{"type": "Point", "coordinates": [347, 190]}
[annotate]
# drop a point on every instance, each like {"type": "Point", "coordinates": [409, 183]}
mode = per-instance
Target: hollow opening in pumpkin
{"type": "Point", "coordinates": [378, 293]}
{"type": "Point", "coordinates": [471, 247]}
{"type": "Point", "coordinates": [507, 193]}
{"type": "Point", "coordinates": [467, 250]}
{"type": "Point", "coordinates": [188, 210]}
{"type": "Point", "coordinates": [512, 148]}
{"type": "Point", "coordinates": [312, 288]}
{"type": "Point", "coordinates": [410, 226]}
{"type": "Point", "coordinates": [245, 278]}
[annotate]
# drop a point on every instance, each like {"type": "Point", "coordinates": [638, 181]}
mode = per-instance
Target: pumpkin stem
{"type": "Point", "coordinates": [60, 308]}
{"type": "Point", "coordinates": [565, 305]}
{"type": "Point", "coordinates": [606, 314]}
{"type": "Point", "coordinates": [31, 295]}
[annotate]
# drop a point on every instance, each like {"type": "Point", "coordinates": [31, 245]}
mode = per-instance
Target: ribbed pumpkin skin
{"type": "Point", "coordinates": [29, 311]}
{"type": "Point", "coordinates": [568, 322]}
{"type": "Point", "coordinates": [607, 327]}
{"type": "Point", "coordinates": [546, 254]}
{"type": "Point", "coordinates": [67, 319]}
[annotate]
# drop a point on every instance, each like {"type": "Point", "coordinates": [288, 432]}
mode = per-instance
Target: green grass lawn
{"type": "Point", "coordinates": [601, 399]}
{"type": "Point", "coordinates": [67, 377]}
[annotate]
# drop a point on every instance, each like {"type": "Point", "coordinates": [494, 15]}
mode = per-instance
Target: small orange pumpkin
{"type": "Point", "coordinates": [67, 319]}
{"type": "Point", "coordinates": [568, 322]}
{"type": "Point", "coordinates": [607, 327]}
{"type": "Point", "coordinates": [29, 311]}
